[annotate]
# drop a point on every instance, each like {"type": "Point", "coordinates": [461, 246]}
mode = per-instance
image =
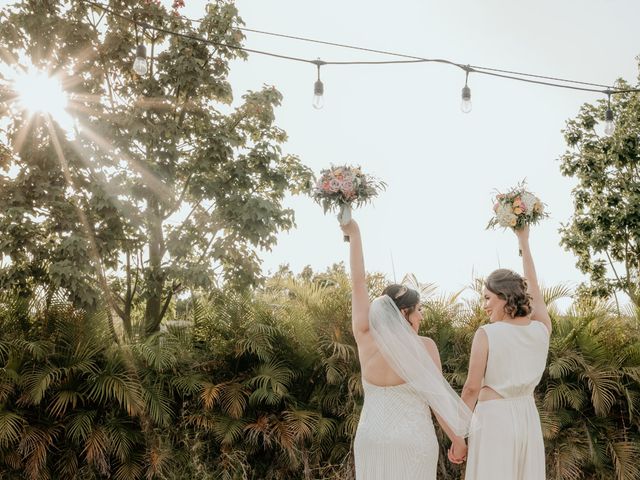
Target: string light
{"type": "Point", "coordinates": [609, 125]}
{"type": "Point", "coordinates": [140, 63]}
{"type": "Point", "coordinates": [318, 88]}
{"type": "Point", "coordinates": [465, 104]}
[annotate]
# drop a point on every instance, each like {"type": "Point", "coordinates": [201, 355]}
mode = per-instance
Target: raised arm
{"type": "Point", "coordinates": [540, 312]}
{"type": "Point", "coordinates": [359, 294]}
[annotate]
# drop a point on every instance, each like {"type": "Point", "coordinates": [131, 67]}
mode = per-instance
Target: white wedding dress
{"type": "Point", "coordinates": [395, 439]}
{"type": "Point", "coordinates": [509, 445]}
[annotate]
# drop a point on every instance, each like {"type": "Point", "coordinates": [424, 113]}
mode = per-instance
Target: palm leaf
{"type": "Point", "coordinates": [11, 428]}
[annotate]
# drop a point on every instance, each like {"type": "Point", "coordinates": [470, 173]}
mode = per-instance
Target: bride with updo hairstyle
{"type": "Point", "coordinates": [511, 287]}
{"type": "Point", "coordinates": [508, 358]}
{"type": "Point", "coordinates": [402, 383]}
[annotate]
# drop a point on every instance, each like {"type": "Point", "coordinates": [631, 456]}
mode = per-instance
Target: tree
{"type": "Point", "coordinates": [167, 186]}
{"type": "Point", "coordinates": [604, 231]}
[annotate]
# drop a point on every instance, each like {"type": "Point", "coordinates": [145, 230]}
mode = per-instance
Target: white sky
{"type": "Point", "coordinates": [403, 124]}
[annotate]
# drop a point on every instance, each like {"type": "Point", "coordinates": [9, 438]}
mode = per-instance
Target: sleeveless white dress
{"type": "Point", "coordinates": [395, 439]}
{"type": "Point", "coordinates": [508, 444]}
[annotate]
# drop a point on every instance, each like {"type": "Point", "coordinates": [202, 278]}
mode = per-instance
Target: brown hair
{"type": "Point", "coordinates": [403, 297]}
{"type": "Point", "coordinates": [510, 286]}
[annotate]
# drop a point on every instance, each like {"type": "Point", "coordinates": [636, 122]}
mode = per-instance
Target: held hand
{"type": "Point", "coordinates": [457, 452]}
{"type": "Point", "coordinates": [350, 228]}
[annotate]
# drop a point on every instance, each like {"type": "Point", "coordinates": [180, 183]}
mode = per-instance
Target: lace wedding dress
{"type": "Point", "coordinates": [395, 439]}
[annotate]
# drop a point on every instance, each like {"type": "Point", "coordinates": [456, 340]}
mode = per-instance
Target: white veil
{"type": "Point", "coordinates": [408, 356]}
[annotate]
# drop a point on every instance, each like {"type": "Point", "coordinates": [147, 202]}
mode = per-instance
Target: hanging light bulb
{"type": "Point", "coordinates": [140, 63]}
{"type": "Point", "coordinates": [465, 104]}
{"type": "Point", "coordinates": [609, 125]}
{"type": "Point", "coordinates": [318, 88]}
{"type": "Point", "coordinates": [318, 95]}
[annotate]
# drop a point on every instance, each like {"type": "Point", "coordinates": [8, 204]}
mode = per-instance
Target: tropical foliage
{"type": "Point", "coordinates": [266, 386]}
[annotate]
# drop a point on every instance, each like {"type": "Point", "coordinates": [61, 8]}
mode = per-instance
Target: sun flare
{"type": "Point", "coordinates": [40, 93]}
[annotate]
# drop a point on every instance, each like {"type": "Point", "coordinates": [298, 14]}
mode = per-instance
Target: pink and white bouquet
{"type": "Point", "coordinates": [343, 187]}
{"type": "Point", "coordinates": [517, 208]}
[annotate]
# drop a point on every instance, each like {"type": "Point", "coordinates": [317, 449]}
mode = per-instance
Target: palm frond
{"type": "Point", "coordinates": [11, 427]}
{"type": "Point", "coordinates": [233, 399]}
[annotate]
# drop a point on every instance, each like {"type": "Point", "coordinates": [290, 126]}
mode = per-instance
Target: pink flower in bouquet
{"type": "Point", "coordinates": [349, 195]}
{"type": "Point", "coordinates": [345, 186]}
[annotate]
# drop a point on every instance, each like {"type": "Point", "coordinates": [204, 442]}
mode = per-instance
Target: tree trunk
{"type": "Point", "coordinates": [154, 274]}
{"type": "Point", "coordinates": [128, 300]}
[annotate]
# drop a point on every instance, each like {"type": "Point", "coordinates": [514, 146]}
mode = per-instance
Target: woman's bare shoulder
{"type": "Point", "coordinates": [429, 343]}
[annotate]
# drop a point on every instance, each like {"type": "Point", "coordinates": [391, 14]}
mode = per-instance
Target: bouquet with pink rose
{"type": "Point", "coordinates": [344, 187]}
{"type": "Point", "coordinates": [517, 208]}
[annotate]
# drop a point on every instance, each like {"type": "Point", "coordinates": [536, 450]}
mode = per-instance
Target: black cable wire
{"type": "Point", "coordinates": [507, 74]}
{"type": "Point", "coordinates": [386, 52]}
{"type": "Point", "coordinates": [541, 82]}
{"type": "Point", "coordinates": [395, 54]}
{"type": "Point", "coordinates": [191, 37]}
{"type": "Point", "coordinates": [544, 77]}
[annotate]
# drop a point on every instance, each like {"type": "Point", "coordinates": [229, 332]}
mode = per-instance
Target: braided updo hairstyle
{"type": "Point", "coordinates": [403, 297]}
{"type": "Point", "coordinates": [510, 286]}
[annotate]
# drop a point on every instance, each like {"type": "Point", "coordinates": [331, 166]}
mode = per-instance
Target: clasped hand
{"type": "Point", "coordinates": [457, 452]}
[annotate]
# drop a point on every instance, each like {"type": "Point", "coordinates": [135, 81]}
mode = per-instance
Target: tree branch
{"type": "Point", "coordinates": [176, 287]}
{"type": "Point", "coordinates": [181, 199]}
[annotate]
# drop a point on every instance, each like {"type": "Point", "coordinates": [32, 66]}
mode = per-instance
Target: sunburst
{"type": "Point", "coordinates": [38, 92]}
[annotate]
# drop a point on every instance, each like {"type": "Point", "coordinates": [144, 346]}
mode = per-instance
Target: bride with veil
{"type": "Point", "coordinates": [402, 381]}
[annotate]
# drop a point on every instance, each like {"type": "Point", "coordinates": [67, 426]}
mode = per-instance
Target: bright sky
{"type": "Point", "coordinates": [402, 123]}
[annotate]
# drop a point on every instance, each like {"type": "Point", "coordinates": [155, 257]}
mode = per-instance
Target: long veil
{"type": "Point", "coordinates": [407, 355]}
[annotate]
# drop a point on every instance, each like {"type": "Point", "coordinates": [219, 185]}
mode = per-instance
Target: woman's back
{"type": "Point", "coordinates": [373, 366]}
{"type": "Point", "coordinates": [517, 357]}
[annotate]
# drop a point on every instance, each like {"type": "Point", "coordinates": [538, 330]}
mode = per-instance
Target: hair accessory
{"type": "Point", "coordinates": [400, 293]}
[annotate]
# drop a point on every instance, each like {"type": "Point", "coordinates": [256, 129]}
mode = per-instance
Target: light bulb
{"type": "Point", "coordinates": [609, 125]}
{"type": "Point", "coordinates": [140, 63]}
{"type": "Point", "coordinates": [318, 95]}
{"type": "Point", "coordinates": [465, 105]}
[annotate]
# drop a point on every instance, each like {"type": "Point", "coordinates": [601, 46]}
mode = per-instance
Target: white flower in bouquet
{"type": "Point", "coordinates": [506, 217]}
{"type": "Point", "coordinates": [528, 201]}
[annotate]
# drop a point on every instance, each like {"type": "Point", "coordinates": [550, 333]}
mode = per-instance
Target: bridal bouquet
{"type": "Point", "coordinates": [517, 208]}
{"type": "Point", "coordinates": [343, 187]}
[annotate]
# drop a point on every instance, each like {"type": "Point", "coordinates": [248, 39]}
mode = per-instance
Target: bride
{"type": "Point", "coordinates": [508, 357]}
{"type": "Point", "coordinates": [402, 381]}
